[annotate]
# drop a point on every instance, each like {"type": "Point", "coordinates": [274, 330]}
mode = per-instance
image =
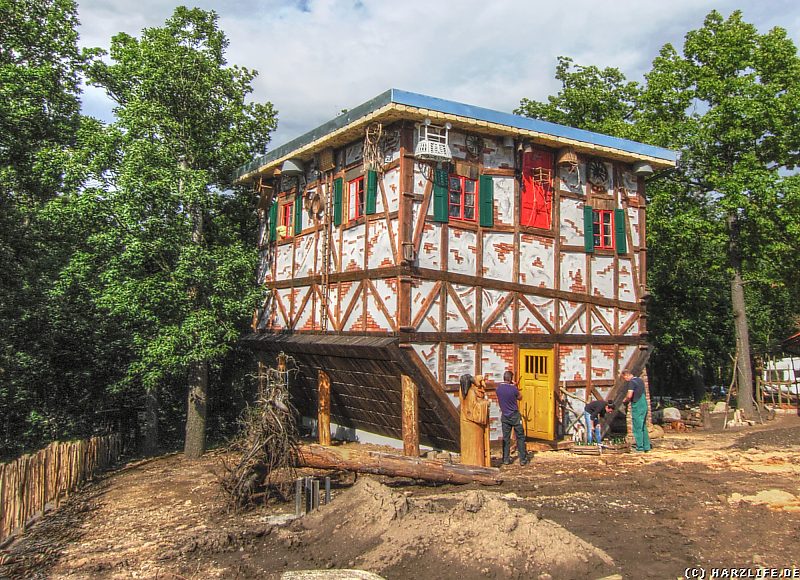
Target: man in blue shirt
{"type": "Point", "coordinates": [507, 396]}
{"type": "Point", "coordinates": [635, 395]}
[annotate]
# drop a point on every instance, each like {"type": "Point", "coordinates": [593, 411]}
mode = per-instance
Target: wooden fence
{"type": "Point", "coordinates": [31, 482]}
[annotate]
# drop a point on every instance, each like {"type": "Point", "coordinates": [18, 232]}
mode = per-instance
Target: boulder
{"type": "Point", "coordinates": [671, 414]}
{"type": "Point", "coordinates": [720, 407]}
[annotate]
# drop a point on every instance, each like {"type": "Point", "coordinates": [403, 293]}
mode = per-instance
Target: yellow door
{"type": "Point", "coordinates": [536, 385]}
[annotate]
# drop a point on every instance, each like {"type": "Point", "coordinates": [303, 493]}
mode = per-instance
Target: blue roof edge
{"type": "Point", "coordinates": [417, 100]}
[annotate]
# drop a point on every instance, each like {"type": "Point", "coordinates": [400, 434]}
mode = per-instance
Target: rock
{"type": "Point", "coordinates": [672, 414]}
{"type": "Point", "coordinates": [720, 407]}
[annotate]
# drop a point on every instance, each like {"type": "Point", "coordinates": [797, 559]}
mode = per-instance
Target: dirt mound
{"type": "Point", "coordinates": [480, 533]}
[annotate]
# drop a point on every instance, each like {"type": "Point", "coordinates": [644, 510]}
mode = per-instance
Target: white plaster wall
{"type": "Point", "coordinates": [379, 246]}
{"type": "Point", "coordinates": [530, 323]}
{"type": "Point", "coordinates": [627, 290]}
{"type": "Point", "coordinates": [376, 316]}
{"type": "Point", "coordinates": [428, 353]}
{"type": "Point", "coordinates": [597, 328]}
{"type": "Point", "coordinates": [284, 297]}
{"type": "Point", "coordinates": [572, 181]}
{"type": "Point", "coordinates": [498, 256]}
{"type": "Point", "coordinates": [603, 362]}
{"type": "Point", "coordinates": [353, 248]}
{"type": "Point", "coordinates": [626, 353]}
{"type": "Point", "coordinates": [419, 293]}
{"type": "Point", "coordinates": [602, 276]}
{"type": "Point", "coordinates": [466, 295]}
{"type": "Point", "coordinates": [457, 142]}
{"type": "Point", "coordinates": [391, 185]}
{"type": "Point", "coordinates": [460, 360]}
{"type": "Point", "coordinates": [462, 250]}
{"type": "Point", "coordinates": [283, 256]}
{"type": "Point", "coordinates": [354, 152]}
{"type": "Point", "coordinates": [573, 363]}
{"type": "Point", "coordinates": [491, 300]}
{"type": "Point", "coordinates": [304, 316]}
{"type": "Point", "coordinates": [624, 317]}
{"type": "Point", "coordinates": [497, 156]}
{"type": "Point", "coordinates": [264, 272]}
{"type": "Point", "coordinates": [504, 200]}
{"type": "Point", "coordinates": [495, 360]}
{"type": "Point", "coordinates": [387, 290]}
{"type": "Point", "coordinates": [633, 226]}
{"type": "Point", "coordinates": [571, 222]}
{"type": "Point", "coordinates": [536, 263]}
{"type": "Point", "coordinates": [455, 320]}
{"type": "Point", "coordinates": [566, 310]}
{"type": "Point", "coordinates": [430, 247]}
{"type": "Point", "coordinates": [390, 144]}
{"type": "Point", "coordinates": [422, 174]}
{"type": "Point", "coordinates": [573, 276]}
{"type": "Point", "coordinates": [304, 256]}
{"type": "Point", "coordinates": [349, 292]}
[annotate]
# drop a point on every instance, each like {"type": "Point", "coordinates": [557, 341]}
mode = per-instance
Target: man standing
{"type": "Point", "coordinates": [635, 396]}
{"type": "Point", "coordinates": [507, 396]}
{"type": "Point", "coordinates": [591, 415]}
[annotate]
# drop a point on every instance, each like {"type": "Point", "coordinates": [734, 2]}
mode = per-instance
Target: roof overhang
{"type": "Point", "coordinates": [394, 105]}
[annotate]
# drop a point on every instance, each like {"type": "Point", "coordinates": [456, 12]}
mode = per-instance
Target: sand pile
{"type": "Point", "coordinates": [476, 530]}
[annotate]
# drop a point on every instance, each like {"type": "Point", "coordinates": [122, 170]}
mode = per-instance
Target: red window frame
{"type": "Point", "coordinates": [463, 204]}
{"type": "Point", "coordinates": [356, 197]}
{"type": "Point", "coordinates": [286, 216]}
{"type": "Point", "coordinates": [603, 228]}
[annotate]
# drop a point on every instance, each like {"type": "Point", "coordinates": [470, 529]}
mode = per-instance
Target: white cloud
{"type": "Point", "coordinates": [316, 57]}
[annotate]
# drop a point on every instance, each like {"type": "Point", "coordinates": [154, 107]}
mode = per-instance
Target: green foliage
{"type": "Point", "coordinates": [729, 104]}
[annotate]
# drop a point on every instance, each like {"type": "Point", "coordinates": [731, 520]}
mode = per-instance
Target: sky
{"type": "Point", "coordinates": [317, 57]}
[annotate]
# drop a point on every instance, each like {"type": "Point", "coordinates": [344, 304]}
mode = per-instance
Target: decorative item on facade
{"type": "Point", "coordinates": [326, 161]}
{"type": "Point", "coordinates": [474, 145]}
{"type": "Point", "coordinates": [642, 169]}
{"type": "Point", "coordinates": [433, 142]}
{"type": "Point", "coordinates": [373, 155]}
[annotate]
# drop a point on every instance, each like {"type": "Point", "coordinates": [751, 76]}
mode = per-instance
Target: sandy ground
{"type": "Point", "coordinates": [710, 499]}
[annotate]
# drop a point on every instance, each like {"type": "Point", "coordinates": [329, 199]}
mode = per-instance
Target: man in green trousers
{"type": "Point", "coordinates": [635, 396]}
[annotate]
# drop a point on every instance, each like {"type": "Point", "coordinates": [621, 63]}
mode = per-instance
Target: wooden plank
{"type": "Point", "coordinates": [410, 417]}
{"type": "Point", "coordinates": [324, 408]}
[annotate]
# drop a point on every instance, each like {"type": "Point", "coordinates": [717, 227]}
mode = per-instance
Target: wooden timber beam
{"type": "Point", "coordinates": [359, 461]}
{"type": "Point", "coordinates": [410, 417]}
{"type": "Point", "coordinates": [324, 408]}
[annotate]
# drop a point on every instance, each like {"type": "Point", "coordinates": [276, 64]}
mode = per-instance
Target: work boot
{"type": "Point", "coordinates": [524, 461]}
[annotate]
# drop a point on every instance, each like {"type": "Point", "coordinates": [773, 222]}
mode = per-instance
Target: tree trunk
{"type": "Point", "coordinates": [395, 465]}
{"type": "Point", "coordinates": [744, 372]}
{"type": "Point", "coordinates": [195, 444]}
{"type": "Point", "coordinates": [151, 422]}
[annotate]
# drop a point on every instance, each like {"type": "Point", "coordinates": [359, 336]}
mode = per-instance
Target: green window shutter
{"type": "Point", "coordinates": [273, 221]}
{"type": "Point", "coordinates": [298, 214]}
{"type": "Point", "coordinates": [588, 229]}
{"type": "Point", "coordinates": [372, 191]}
{"type": "Point", "coordinates": [440, 205]}
{"type": "Point", "coordinates": [486, 195]}
{"type": "Point", "coordinates": [620, 239]}
{"type": "Point", "coordinates": [337, 201]}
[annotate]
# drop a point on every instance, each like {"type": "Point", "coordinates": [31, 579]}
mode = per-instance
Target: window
{"type": "Point", "coordinates": [355, 192]}
{"type": "Point", "coordinates": [462, 197]}
{"type": "Point", "coordinates": [537, 189]}
{"type": "Point", "coordinates": [286, 218]}
{"type": "Point", "coordinates": [603, 228]}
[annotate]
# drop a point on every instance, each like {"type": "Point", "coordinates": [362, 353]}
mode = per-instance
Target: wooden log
{"type": "Point", "coordinates": [324, 408]}
{"type": "Point", "coordinates": [410, 417]}
{"type": "Point", "coordinates": [395, 465]}
{"type": "Point", "coordinates": [705, 414]}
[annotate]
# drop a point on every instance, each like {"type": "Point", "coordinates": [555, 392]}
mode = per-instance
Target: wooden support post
{"type": "Point", "coordinates": [324, 408]}
{"type": "Point", "coordinates": [410, 418]}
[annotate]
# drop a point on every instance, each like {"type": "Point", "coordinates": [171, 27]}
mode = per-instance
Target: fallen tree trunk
{"type": "Point", "coordinates": [323, 457]}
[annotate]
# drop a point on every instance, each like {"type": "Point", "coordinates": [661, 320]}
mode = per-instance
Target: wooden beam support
{"type": "Point", "coordinates": [410, 417]}
{"type": "Point", "coordinates": [324, 408]}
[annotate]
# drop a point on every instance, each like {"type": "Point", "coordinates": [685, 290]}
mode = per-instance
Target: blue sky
{"type": "Point", "coordinates": [316, 57]}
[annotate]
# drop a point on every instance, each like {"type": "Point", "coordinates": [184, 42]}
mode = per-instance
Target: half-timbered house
{"type": "Point", "coordinates": [413, 239]}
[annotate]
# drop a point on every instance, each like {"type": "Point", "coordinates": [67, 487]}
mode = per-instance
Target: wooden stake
{"type": "Point", "coordinates": [324, 408]}
{"type": "Point", "coordinates": [410, 417]}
